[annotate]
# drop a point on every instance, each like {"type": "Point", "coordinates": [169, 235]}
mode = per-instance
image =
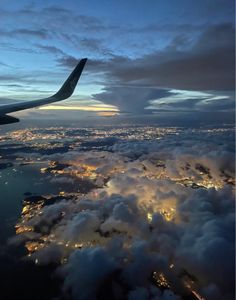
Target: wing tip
{"type": "Point", "coordinates": [69, 85]}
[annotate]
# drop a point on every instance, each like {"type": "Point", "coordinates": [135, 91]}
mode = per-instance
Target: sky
{"type": "Point", "coordinates": [143, 56]}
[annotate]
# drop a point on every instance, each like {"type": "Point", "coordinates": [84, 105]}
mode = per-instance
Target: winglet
{"type": "Point", "coordinates": [69, 85]}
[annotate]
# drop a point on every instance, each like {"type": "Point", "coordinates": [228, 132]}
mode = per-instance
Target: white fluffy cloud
{"type": "Point", "coordinates": [165, 208]}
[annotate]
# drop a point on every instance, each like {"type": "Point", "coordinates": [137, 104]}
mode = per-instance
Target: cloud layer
{"type": "Point", "coordinates": [161, 225]}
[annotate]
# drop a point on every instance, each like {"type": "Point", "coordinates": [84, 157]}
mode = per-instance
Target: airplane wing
{"type": "Point", "coordinates": [64, 92]}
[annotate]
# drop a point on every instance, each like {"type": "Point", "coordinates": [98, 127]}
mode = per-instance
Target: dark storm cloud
{"type": "Point", "coordinates": [130, 98]}
{"type": "Point", "coordinates": [207, 65]}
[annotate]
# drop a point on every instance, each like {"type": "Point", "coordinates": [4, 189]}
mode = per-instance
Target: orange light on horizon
{"type": "Point", "coordinates": [94, 108]}
{"type": "Point", "coordinates": [107, 113]}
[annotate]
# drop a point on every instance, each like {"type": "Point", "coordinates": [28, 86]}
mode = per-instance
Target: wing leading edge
{"type": "Point", "coordinates": [64, 92]}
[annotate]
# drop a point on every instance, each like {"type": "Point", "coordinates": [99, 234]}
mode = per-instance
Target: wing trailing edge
{"type": "Point", "coordinates": [63, 93]}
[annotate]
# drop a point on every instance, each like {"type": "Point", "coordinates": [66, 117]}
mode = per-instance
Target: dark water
{"type": "Point", "coordinates": [19, 277]}
{"type": "Point", "coordinates": [14, 183]}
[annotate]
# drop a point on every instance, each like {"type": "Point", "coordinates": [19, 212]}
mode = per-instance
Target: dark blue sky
{"type": "Point", "coordinates": [144, 56]}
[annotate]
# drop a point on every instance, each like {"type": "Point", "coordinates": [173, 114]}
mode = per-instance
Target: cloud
{"type": "Point", "coordinates": [130, 98]}
{"type": "Point", "coordinates": [164, 207]}
{"type": "Point", "coordinates": [193, 100]}
{"type": "Point", "coordinates": [23, 32]}
{"type": "Point", "coordinates": [208, 65]}
{"type": "Point", "coordinates": [87, 268]}
{"type": "Point", "coordinates": [131, 64]}
{"type": "Point", "coordinates": [28, 32]}
{"type": "Point", "coordinates": [50, 49]}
